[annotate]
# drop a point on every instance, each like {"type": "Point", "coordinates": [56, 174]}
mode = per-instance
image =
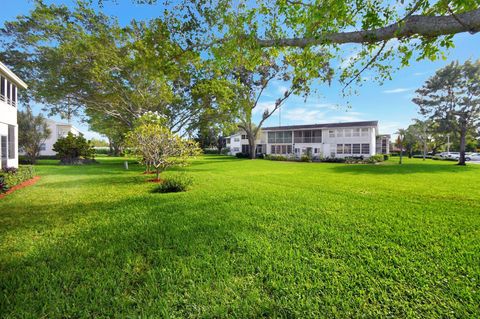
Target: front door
{"type": "Point", "coordinates": [3, 151]}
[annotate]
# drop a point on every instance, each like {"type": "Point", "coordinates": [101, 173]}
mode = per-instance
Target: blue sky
{"type": "Point", "coordinates": [389, 103]}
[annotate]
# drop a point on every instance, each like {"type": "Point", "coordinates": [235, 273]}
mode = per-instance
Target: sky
{"type": "Point", "coordinates": [389, 103]}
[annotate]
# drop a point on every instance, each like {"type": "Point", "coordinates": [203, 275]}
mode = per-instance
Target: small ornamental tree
{"type": "Point", "coordinates": [158, 147]}
{"type": "Point", "coordinates": [73, 149]}
{"type": "Point", "coordinates": [32, 132]}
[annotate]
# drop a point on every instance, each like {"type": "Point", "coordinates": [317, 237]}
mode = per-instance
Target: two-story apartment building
{"type": "Point", "coordinates": [318, 140]}
{"type": "Point", "coordinates": [9, 84]}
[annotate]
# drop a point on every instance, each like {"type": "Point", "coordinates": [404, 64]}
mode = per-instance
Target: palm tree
{"type": "Point", "coordinates": [400, 138]}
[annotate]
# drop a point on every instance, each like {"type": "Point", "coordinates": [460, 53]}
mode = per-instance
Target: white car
{"type": "Point", "coordinates": [449, 154]}
{"type": "Point", "coordinates": [472, 157]}
{"type": "Point", "coordinates": [468, 156]}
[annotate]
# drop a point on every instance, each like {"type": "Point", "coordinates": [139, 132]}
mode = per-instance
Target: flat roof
{"type": "Point", "coordinates": [12, 76]}
{"type": "Point", "coordinates": [319, 126]}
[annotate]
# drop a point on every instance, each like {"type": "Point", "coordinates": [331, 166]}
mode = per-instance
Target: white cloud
{"type": "Point", "coordinates": [397, 90]}
{"type": "Point", "coordinates": [262, 106]}
{"type": "Point", "coordinates": [304, 115]}
{"type": "Point", "coordinates": [311, 115]}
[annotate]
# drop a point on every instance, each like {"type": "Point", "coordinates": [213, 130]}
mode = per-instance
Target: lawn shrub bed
{"type": "Point", "coordinates": [174, 184]}
{"type": "Point", "coordinates": [11, 176]}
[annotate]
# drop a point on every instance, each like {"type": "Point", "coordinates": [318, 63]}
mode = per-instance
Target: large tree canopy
{"type": "Point", "coordinates": [80, 61]}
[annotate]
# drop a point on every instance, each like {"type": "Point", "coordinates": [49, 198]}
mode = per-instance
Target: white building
{"type": "Point", "coordinates": [9, 84]}
{"type": "Point", "coordinates": [316, 140]}
{"type": "Point", "coordinates": [57, 130]}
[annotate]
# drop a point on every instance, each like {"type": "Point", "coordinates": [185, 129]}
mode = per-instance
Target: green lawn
{"type": "Point", "coordinates": [250, 239]}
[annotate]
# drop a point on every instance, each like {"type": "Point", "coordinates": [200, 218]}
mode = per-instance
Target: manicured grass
{"type": "Point", "coordinates": [249, 239]}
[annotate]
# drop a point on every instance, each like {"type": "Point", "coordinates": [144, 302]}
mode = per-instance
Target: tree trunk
{"type": "Point", "coordinates": [251, 145]}
{"type": "Point", "coordinates": [401, 155]}
{"type": "Point", "coordinates": [157, 172]}
{"type": "Point", "coordinates": [424, 150]}
{"type": "Point", "coordinates": [463, 137]}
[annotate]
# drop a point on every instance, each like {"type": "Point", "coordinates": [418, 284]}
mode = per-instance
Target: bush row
{"type": "Point", "coordinates": [10, 176]}
{"type": "Point", "coordinates": [349, 160]}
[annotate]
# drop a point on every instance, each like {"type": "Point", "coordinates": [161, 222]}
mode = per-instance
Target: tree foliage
{"type": "Point", "coordinates": [32, 132]}
{"type": "Point", "coordinates": [452, 95]}
{"type": "Point", "coordinates": [158, 146]}
{"type": "Point", "coordinates": [74, 149]}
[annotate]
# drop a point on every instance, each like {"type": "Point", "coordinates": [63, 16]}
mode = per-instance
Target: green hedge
{"type": "Point", "coordinates": [10, 177]}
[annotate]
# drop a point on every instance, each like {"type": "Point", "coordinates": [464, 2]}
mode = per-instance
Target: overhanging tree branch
{"type": "Point", "coordinates": [421, 25]}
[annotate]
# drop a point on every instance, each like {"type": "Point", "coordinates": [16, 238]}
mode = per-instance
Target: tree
{"type": "Point", "coordinates": [157, 146]}
{"type": "Point", "coordinates": [80, 61]}
{"type": "Point", "coordinates": [400, 142]}
{"type": "Point", "coordinates": [32, 133]}
{"type": "Point", "coordinates": [383, 31]}
{"type": "Point", "coordinates": [73, 149]}
{"type": "Point", "coordinates": [453, 95]}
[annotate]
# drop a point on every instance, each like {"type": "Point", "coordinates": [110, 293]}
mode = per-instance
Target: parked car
{"type": "Point", "coordinates": [449, 154]}
{"type": "Point", "coordinates": [468, 156]}
{"type": "Point", "coordinates": [472, 157]}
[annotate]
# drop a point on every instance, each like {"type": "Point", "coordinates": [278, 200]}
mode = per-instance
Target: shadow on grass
{"type": "Point", "coordinates": [407, 168]}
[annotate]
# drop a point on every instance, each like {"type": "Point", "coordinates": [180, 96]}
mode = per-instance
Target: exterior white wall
{"type": "Point", "coordinates": [57, 130]}
{"type": "Point", "coordinates": [8, 116]}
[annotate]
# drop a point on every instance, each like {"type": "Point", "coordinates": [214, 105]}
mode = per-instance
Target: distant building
{"type": "Point", "coordinates": [9, 84]}
{"type": "Point", "coordinates": [57, 130]}
{"type": "Point", "coordinates": [317, 140]}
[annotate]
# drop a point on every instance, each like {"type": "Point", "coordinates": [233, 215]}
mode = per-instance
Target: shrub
{"type": "Point", "coordinates": [12, 176]}
{"type": "Point", "coordinates": [272, 157]}
{"type": "Point", "coordinates": [225, 150]}
{"type": "Point", "coordinates": [385, 157]}
{"type": "Point", "coordinates": [332, 160]}
{"type": "Point", "coordinates": [210, 151]}
{"type": "Point", "coordinates": [306, 158]}
{"type": "Point", "coordinates": [374, 159]}
{"type": "Point", "coordinates": [174, 184]}
{"type": "Point", "coordinates": [242, 155]}
{"type": "Point", "coordinates": [73, 149]}
{"type": "Point", "coordinates": [3, 185]}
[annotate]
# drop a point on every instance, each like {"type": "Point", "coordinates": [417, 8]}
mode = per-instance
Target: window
{"type": "Point", "coordinates": [3, 150]}
{"type": "Point", "coordinates": [244, 136]}
{"type": "Point", "coordinates": [284, 149]}
{"type": "Point", "coordinates": [289, 149]}
{"type": "Point", "coordinates": [42, 147]}
{"type": "Point", "coordinates": [272, 149]}
{"type": "Point", "coordinates": [2, 89]}
{"type": "Point", "coordinates": [355, 148]}
{"type": "Point", "coordinates": [347, 149]}
{"type": "Point", "coordinates": [11, 141]}
{"type": "Point", "coordinates": [228, 140]}
{"type": "Point", "coordinates": [364, 131]}
{"type": "Point", "coordinates": [280, 137]}
{"type": "Point", "coordinates": [356, 132]}
{"type": "Point", "coordinates": [279, 149]}
{"type": "Point", "coordinates": [331, 133]}
{"type": "Point", "coordinates": [297, 150]}
{"type": "Point", "coordinates": [236, 149]}
{"type": "Point", "coordinates": [365, 148]}
{"type": "Point", "coordinates": [236, 139]}
{"type": "Point", "coordinates": [340, 133]}
{"type": "Point", "coordinates": [339, 148]}
{"type": "Point", "coordinates": [14, 93]}
{"type": "Point", "coordinates": [9, 94]}
{"type": "Point", "coordinates": [348, 132]}
{"type": "Point", "coordinates": [308, 136]}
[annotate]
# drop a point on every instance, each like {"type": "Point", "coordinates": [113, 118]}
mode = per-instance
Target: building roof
{"type": "Point", "coordinates": [12, 76]}
{"type": "Point", "coordinates": [320, 126]}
